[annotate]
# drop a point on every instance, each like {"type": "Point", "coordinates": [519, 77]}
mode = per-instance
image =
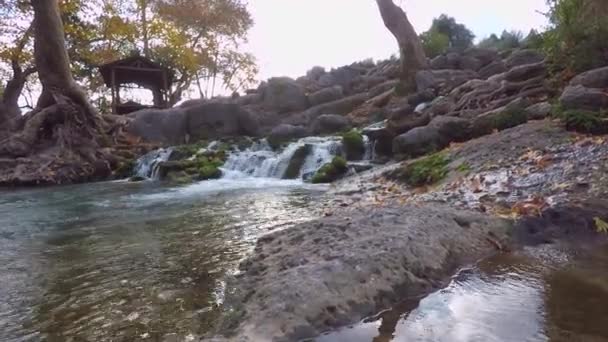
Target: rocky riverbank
{"type": "Point", "coordinates": [380, 240]}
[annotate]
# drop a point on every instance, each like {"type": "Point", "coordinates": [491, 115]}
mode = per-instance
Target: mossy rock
{"type": "Point", "coordinates": [331, 172]}
{"type": "Point", "coordinates": [424, 171]}
{"type": "Point", "coordinates": [203, 167]}
{"type": "Point", "coordinates": [585, 122]}
{"type": "Point", "coordinates": [354, 145]}
{"type": "Point", "coordinates": [510, 117]}
{"type": "Point", "coordinates": [297, 161]}
{"type": "Point", "coordinates": [124, 169]}
{"type": "Point", "coordinates": [186, 151]}
{"type": "Point", "coordinates": [179, 177]}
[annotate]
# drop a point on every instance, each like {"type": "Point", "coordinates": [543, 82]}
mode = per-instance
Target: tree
{"type": "Point", "coordinates": [63, 121]}
{"type": "Point", "coordinates": [413, 58]}
{"type": "Point", "coordinates": [434, 42]}
{"type": "Point", "coordinates": [16, 52]}
{"type": "Point", "coordinates": [508, 40]}
{"type": "Point", "coordinates": [459, 36]}
{"type": "Point", "coordinates": [576, 39]}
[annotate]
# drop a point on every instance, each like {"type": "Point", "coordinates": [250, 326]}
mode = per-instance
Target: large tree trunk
{"type": "Point", "coordinates": [413, 58]}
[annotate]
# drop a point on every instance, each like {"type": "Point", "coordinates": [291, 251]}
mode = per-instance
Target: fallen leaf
{"type": "Point", "coordinates": [601, 226]}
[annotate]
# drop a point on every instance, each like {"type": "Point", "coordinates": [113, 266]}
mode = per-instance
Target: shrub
{"type": "Point", "coordinates": [331, 171]}
{"type": "Point", "coordinates": [578, 33]}
{"type": "Point", "coordinates": [354, 144]}
{"type": "Point", "coordinates": [426, 171]}
{"type": "Point", "coordinates": [585, 122]}
{"type": "Point", "coordinates": [510, 117]}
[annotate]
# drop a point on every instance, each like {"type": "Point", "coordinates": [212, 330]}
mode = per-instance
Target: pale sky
{"type": "Point", "coordinates": [291, 36]}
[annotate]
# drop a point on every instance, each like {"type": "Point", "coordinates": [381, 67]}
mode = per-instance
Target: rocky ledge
{"type": "Point", "coordinates": [402, 230]}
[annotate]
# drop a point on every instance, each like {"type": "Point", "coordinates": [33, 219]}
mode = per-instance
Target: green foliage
{"type": "Point", "coordinates": [585, 121]}
{"type": "Point", "coordinates": [458, 36]}
{"type": "Point", "coordinates": [434, 43]}
{"type": "Point", "coordinates": [354, 145]}
{"type": "Point", "coordinates": [507, 40]}
{"type": "Point", "coordinates": [601, 226]}
{"type": "Point", "coordinates": [510, 117]}
{"type": "Point", "coordinates": [464, 168]}
{"type": "Point", "coordinates": [578, 33]}
{"type": "Point", "coordinates": [331, 171]}
{"type": "Point", "coordinates": [426, 171]}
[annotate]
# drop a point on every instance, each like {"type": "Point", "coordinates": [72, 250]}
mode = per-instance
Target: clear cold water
{"type": "Point", "coordinates": [125, 261]}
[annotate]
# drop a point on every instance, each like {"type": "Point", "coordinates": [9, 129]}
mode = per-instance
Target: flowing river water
{"type": "Point", "coordinates": [121, 261]}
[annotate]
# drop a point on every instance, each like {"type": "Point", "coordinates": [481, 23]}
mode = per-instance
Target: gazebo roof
{"type": "Point", "coordinates": [138, 70]}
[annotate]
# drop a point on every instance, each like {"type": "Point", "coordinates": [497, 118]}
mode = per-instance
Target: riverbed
{"type": "Point", "coordinates": [122, 261]}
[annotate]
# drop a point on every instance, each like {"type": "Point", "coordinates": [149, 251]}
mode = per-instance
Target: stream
{"type": "Point", "coordinates": [146, 261]}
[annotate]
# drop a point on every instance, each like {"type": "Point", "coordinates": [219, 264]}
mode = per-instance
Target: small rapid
{"type": "Point", "coordinates": [148, 165]}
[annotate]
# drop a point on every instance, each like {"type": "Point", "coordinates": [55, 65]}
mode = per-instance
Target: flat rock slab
{"type": "Point", "coordinates": [341, 268]}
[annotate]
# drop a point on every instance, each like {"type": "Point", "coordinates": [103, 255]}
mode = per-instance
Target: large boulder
{"type": "Point", "coordinates": [418, 141]}
{"type": "Point", "coordinates": [494, 68]}
{"type": "Point", "coordinates": [525, 72]}
{"type": "Point", "coordinates": [284, 95]}
{"type": "Point", "coordinates": [579, 97]}
{"type": "Point", "coordinates": [216, 120]}
{"type": "Point", "coordinates": [452, 129]}
{"type": "Point", "coordinates": [443, 80]}
{"type": "Point", "coordinates": [159, 126]}
{"type": "Point", "coordinates": [345, 77]}
{"type": "Point", "coordinates": [285, 132]}
{"type": "Point", "coordinates": [383, 87]}
{"type": "Point", "coordinates": [326, 95]}
{"type": "Point", "coordinates": [484, 56]}
{"type": "Point", "coordinates": [342, 107]}
{"type": "Point", "coordinates": [596, 78]}
{"type": "Point", "coordinates": [330, 123]}
{"type": "Point", "coordinates": [315, 73]}
{"type": "Point", "coordinates": [538, 111]}
{"type": "Point", "coordinates": [400, 122]}
{"type": "Point", "coordinates": [522, 57]}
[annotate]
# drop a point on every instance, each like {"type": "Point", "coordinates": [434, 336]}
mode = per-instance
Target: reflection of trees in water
{"type": "Point", "coordinates": [576, 301]}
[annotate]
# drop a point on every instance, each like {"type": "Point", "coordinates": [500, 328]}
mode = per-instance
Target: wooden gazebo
{"type": "Point", "coordinates": [140, 71]}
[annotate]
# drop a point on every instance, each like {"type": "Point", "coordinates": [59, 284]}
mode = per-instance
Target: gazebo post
{"type": "Point", "coordinates": [114, 109]}
{"type": "Point", "coordinates": [166, 89]}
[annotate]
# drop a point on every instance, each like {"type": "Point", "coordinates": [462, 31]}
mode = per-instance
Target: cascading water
{"type": "Point", "coordinates": [261, 161]}
{"type": "Point", "coordinates": [147, 166]}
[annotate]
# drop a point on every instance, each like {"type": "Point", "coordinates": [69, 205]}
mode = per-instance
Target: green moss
{"type": "Point", "coordinates": [510, 117]}
{"type": "Point", "coordinates": [209, 172]}
{"type": "Point", "coordinates": [464, 168]}
{"type": "Point", "coordinates": [354, 145]}
{"type": "Point", "coordinates": [297, 161]}
{"type": "Point", "coordinates": [187, 151]}
{"type": "Point", "coordinates": [202, 167]}
{"type": "Point", "coordinates": [124, 169]}
{"type": "Point", "coordinates": [331, 171]}
{"type": "Point", "coordinates": [426, 171]}
{"type": "Point", "coordinates": [585, 122]}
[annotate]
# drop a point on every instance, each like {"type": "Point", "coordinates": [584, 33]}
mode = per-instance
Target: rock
{"type": "Point", "coordinates": [383, 87]}
{"type": "Point", "coordinates": [249, 99]}
{"type": "Point", "coordinates": [315, 73]}
{"type": "Point", "coordinates": [369, 82]}
{"type": "Point", "coordinates": [217, 120]}
{"type": "Point", "coordinates": [331, 172]}
{"type": "Point", "coordinates": [441, 106]}
{"type": "Point", "coordinates": [579, 97]}
{"type": "Point", "coordinates": [418, 141]}
{"type": "Point", "coordinates": [330, 123]}
{"type": "Point", "coordinates": [453, 129]}
{"type": "Point", "coordinates": [484, 56]}
{"type": "Point", "coordinates": [159, 126]}
{"type": "Point", "coordinates": [470, 63]}
{"type": "Point", "coordinates": [353, 145]}
{"type": "Point", "coordinates": [400, 122]}
{"type": "Point", "coordinates": [285, 132]}
{"type": "Point", "coordinates": [381, 137]}
{"type": "Point", "coordinates": [326, 95]}
{"type": "Point", "coordinates": [444, 80]}
{"type": "Point", "coordinates": [345, 77]}
{"type": "Point", "coordinates": [494, 68]}
{"type": "Point", "coordinates": [525, 72]}
{"type": "Point", "coordinates": [522, 57]}
{"type": "Point", "coordinates": [341, 107]}
{"type": "Point", "coordinates": [440, 62]}
{"type": "Point", "coordinates": [539, 111]}
{"type": "Point", "coordinates": [421, 97]}
{"type": "Point", "coordinates": [348, 267]}
{"type": "Point", "coordinates": [284, 95]}
{"type": "Point", "coordinates": [297, 161]}
{"type": "Point", "coordinates": [596, 78]}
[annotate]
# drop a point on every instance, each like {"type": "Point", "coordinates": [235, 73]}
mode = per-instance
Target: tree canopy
{"type": "Point", "coordinates": [198, 39]}
{"type": "Point", "coordinates": [445, 33]}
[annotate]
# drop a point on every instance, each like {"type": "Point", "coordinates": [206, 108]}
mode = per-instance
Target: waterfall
{"type": "Point", "coordinates": [147, 166]}
{"type": "Point", "coordinates": [261, 161]}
